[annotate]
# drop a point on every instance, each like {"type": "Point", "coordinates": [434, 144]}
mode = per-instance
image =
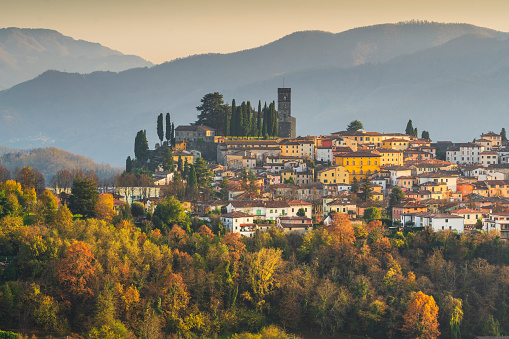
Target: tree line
{"type": "Point", "coordinates": [240, 121]}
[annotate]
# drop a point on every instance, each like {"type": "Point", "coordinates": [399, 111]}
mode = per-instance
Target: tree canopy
{"type": "Point", "coordinates": [354, 126]}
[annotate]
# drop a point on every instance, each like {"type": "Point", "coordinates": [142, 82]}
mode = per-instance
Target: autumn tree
{"type": "Point", "coordinates": [104, 207]}
{"type": "Point", "coordinates": [77, 271]}
{"type": "Point", "coordinates": [5, 174]}
{"type": "Point", "coordinates": [46, 208]}
{"type": "Point", "coordinates": [341, 228]}
{"type": "Point", "coordinates": [421, 318]}
{"type": "Point", "coordinates": [262, 269]}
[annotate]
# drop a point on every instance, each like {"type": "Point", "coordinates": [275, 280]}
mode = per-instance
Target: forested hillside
{"type": "Point", "coordinates": [50, 160]}
{"type": "Point", "coordinates": [172, 276]}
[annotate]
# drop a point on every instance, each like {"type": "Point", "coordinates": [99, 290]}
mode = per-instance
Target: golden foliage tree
{"type": "Point", "coordinates": [104, 207]}
{"type": "Point", "coordinates": [421, 317]}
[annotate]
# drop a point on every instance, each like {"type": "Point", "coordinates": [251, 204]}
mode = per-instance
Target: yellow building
{"type": "Point", "coordinates": [333, 175]}
{"type": "Point", "coordinates": [359, 164]}
{"type": "Point", "coordinates": [396, 143]}
{"type": "Point", "coordinates": [184, 156]}
{"type": "Point", "coordinates": [180, 146]}
{"type": "Point", "coordinates": [390, 157]}
{"type": "Point", "coordinates": [290, 148]}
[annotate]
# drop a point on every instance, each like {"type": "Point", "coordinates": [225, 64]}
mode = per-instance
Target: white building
{"type": "Point", "coordinates": [449, 179]}
{"type": "Point", "coordinates": [499, 222]}
{"type": "Point", "coordinates": [468, 153]}
{"type": "Point", "coordinates": [324, 154]}
{"type": "Point", "coordinates": [237, 221]}
{"type": "Point", "coordinates": [436, 221]}
{"type": "Point", "coordinates": [488, 158]}
{"type": "Point", "coordinates": [398, 171]}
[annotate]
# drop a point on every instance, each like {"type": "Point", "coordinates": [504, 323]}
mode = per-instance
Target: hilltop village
{"type": "Point", "coordinates": [297, 182]}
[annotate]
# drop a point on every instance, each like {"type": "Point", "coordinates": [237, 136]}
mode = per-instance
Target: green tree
{"type": "Point", "coordinates": [141, 146]}
{"type": "Point", "coordinates": [180, 166]}
{"type": "Point", "coordinates": [259, 119]}
{"type": "Point", "coordinates": [224, 188]}
{"type": "Point", "coordinates": [170, 212]}
{"type": "Point", "coordinates": [396, 196]}
{"type": "Point", "coordinates": [84, 196]}
{"type": "Point", "coordinates": [137, 209]}
{"type": "Point", "coordinates": [168, 127]}
{"type": "Point", "coordinates": [168, 160]}
{"type": "Point", "coordinates": [290, 181]}
{"type": "Point", "coordinates": [128, 164]}
{"type": "Point", "coordinates": [160, 130]}
{"type": "Point", "coordinates": [354, 126]}
{"type": "Point", "coordinates": [192, 182]}
{"type": "Point", "coordinates": [234, 118]}
{"type": "Point", "coordinates": [503, 135]}
{"type": "Point", "coordinates": [409, 128]}
{"type": "Point", "coordinates": [367, 191]}
{"type": "Point", "coordinates": [172, 134]}
{"type": "Point", "coordinates": [425, 135]}
{"type": "Point", "coordinates": [371, 213]}
{"type": "Point", "coordinates": [212, 112]}
{"type": "Point", "coordinates": [354, 185]}
{"type": "Point", "coordinates": [301, 212]}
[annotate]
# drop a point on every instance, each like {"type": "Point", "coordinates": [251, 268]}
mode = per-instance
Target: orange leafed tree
{"type": "Point", "coordinates": [420, 319]}
{"type": "Point", "coordinates": [341, 228]}
{"type": "Point", "coordinates": [77, 271]}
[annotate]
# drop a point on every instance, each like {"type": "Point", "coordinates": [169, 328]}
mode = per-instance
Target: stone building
{"type": "Point", "coordinates": [287, 125]}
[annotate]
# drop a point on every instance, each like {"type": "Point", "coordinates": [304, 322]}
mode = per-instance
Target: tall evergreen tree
{"type": "Point", "coordinates": [273, 119]}
{"type": "Point", "coordinates": [128, 164]}
{"type": "Point", "coordinates": [141, 146]}
{"type": "Point", "coordinates": [226, 128]}
{"type": "Point", "coordinates": [168, 128]}
{"type": "Point", "coordinates": [186, 169]}
{"type": "Point", "coordinates": [192, 182]}
{"type": "Point", "coordinates": [265, 121]}
{"type": "Point", "coordinates": [240, 121]}
{"type": "Point", "coordinates": [247, 123]}
{"type": "Point", "coordinates": [259, 119]}
{"type": "Point", "coordinates": [503, 135]}
{"type": "Point", "coordinates": [180, 165]}
{"type": "Point", "coordinates": [233, 121]}
{"type": "Point", "coordinates": [160, 130]}
{"type": "Point", "coordinates": [415, 132]}
{"type": "Point", "coordinates": [172, 134]}
{"type": "Point", "coordinates": [425, 135]}
{"type": "Point", "coordinates": [168, 160]}
{"type": "Point", "coordinates": [409, 128]}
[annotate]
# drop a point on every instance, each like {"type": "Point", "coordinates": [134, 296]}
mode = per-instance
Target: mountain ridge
{"type": "Point", "coordinates": [84, 112]}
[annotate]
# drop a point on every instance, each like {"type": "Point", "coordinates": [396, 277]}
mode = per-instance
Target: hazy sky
{"type": "Point", "coordinates": [162, 30]}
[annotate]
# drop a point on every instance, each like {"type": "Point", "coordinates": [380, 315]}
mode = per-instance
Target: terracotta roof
{"type": "Point", "coordinates": [465, 211]}
{"type": "Point", "coordinates": [236, 214]}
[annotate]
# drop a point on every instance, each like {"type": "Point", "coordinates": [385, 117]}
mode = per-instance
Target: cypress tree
{"type": "Point", "coordinates": [128, 164]}
{"type": "Point", "coordinates": [259, 119]}
{"type": "Point", "coordinates": [240, 121]}
{"type": "Point", "coordinates": [265, 121]}
{"type": "Point", "coordinates": [180, 166]}
{"type": "Point", "coordinates": [248, 118]}
{"type": "Point", "coordinates": [226, 127]}
{"type": "Point", "coordinates": [168, 160]}
{"type": "Point", "coordinates": [233, 121]}
{"type": "Point", "coordinates": [186, 169]}
{"type": "Point", "coordinates": [160, 131]}
{"type": "Point", "coordinates": [503, 135]}
{"type": "Point", "coordinates": [172, 134]}
{"type": "Point", "coordinates": [409, 128]}
{"type": "Point", "coordinates": [168, 127]}
{"type": "Point", "coordinates": [415, 132]}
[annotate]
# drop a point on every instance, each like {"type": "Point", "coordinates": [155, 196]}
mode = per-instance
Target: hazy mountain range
{"type": "Point", "coordinates": [450, 79]}
{"type": "Point", "coordinates": [26, 53]}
